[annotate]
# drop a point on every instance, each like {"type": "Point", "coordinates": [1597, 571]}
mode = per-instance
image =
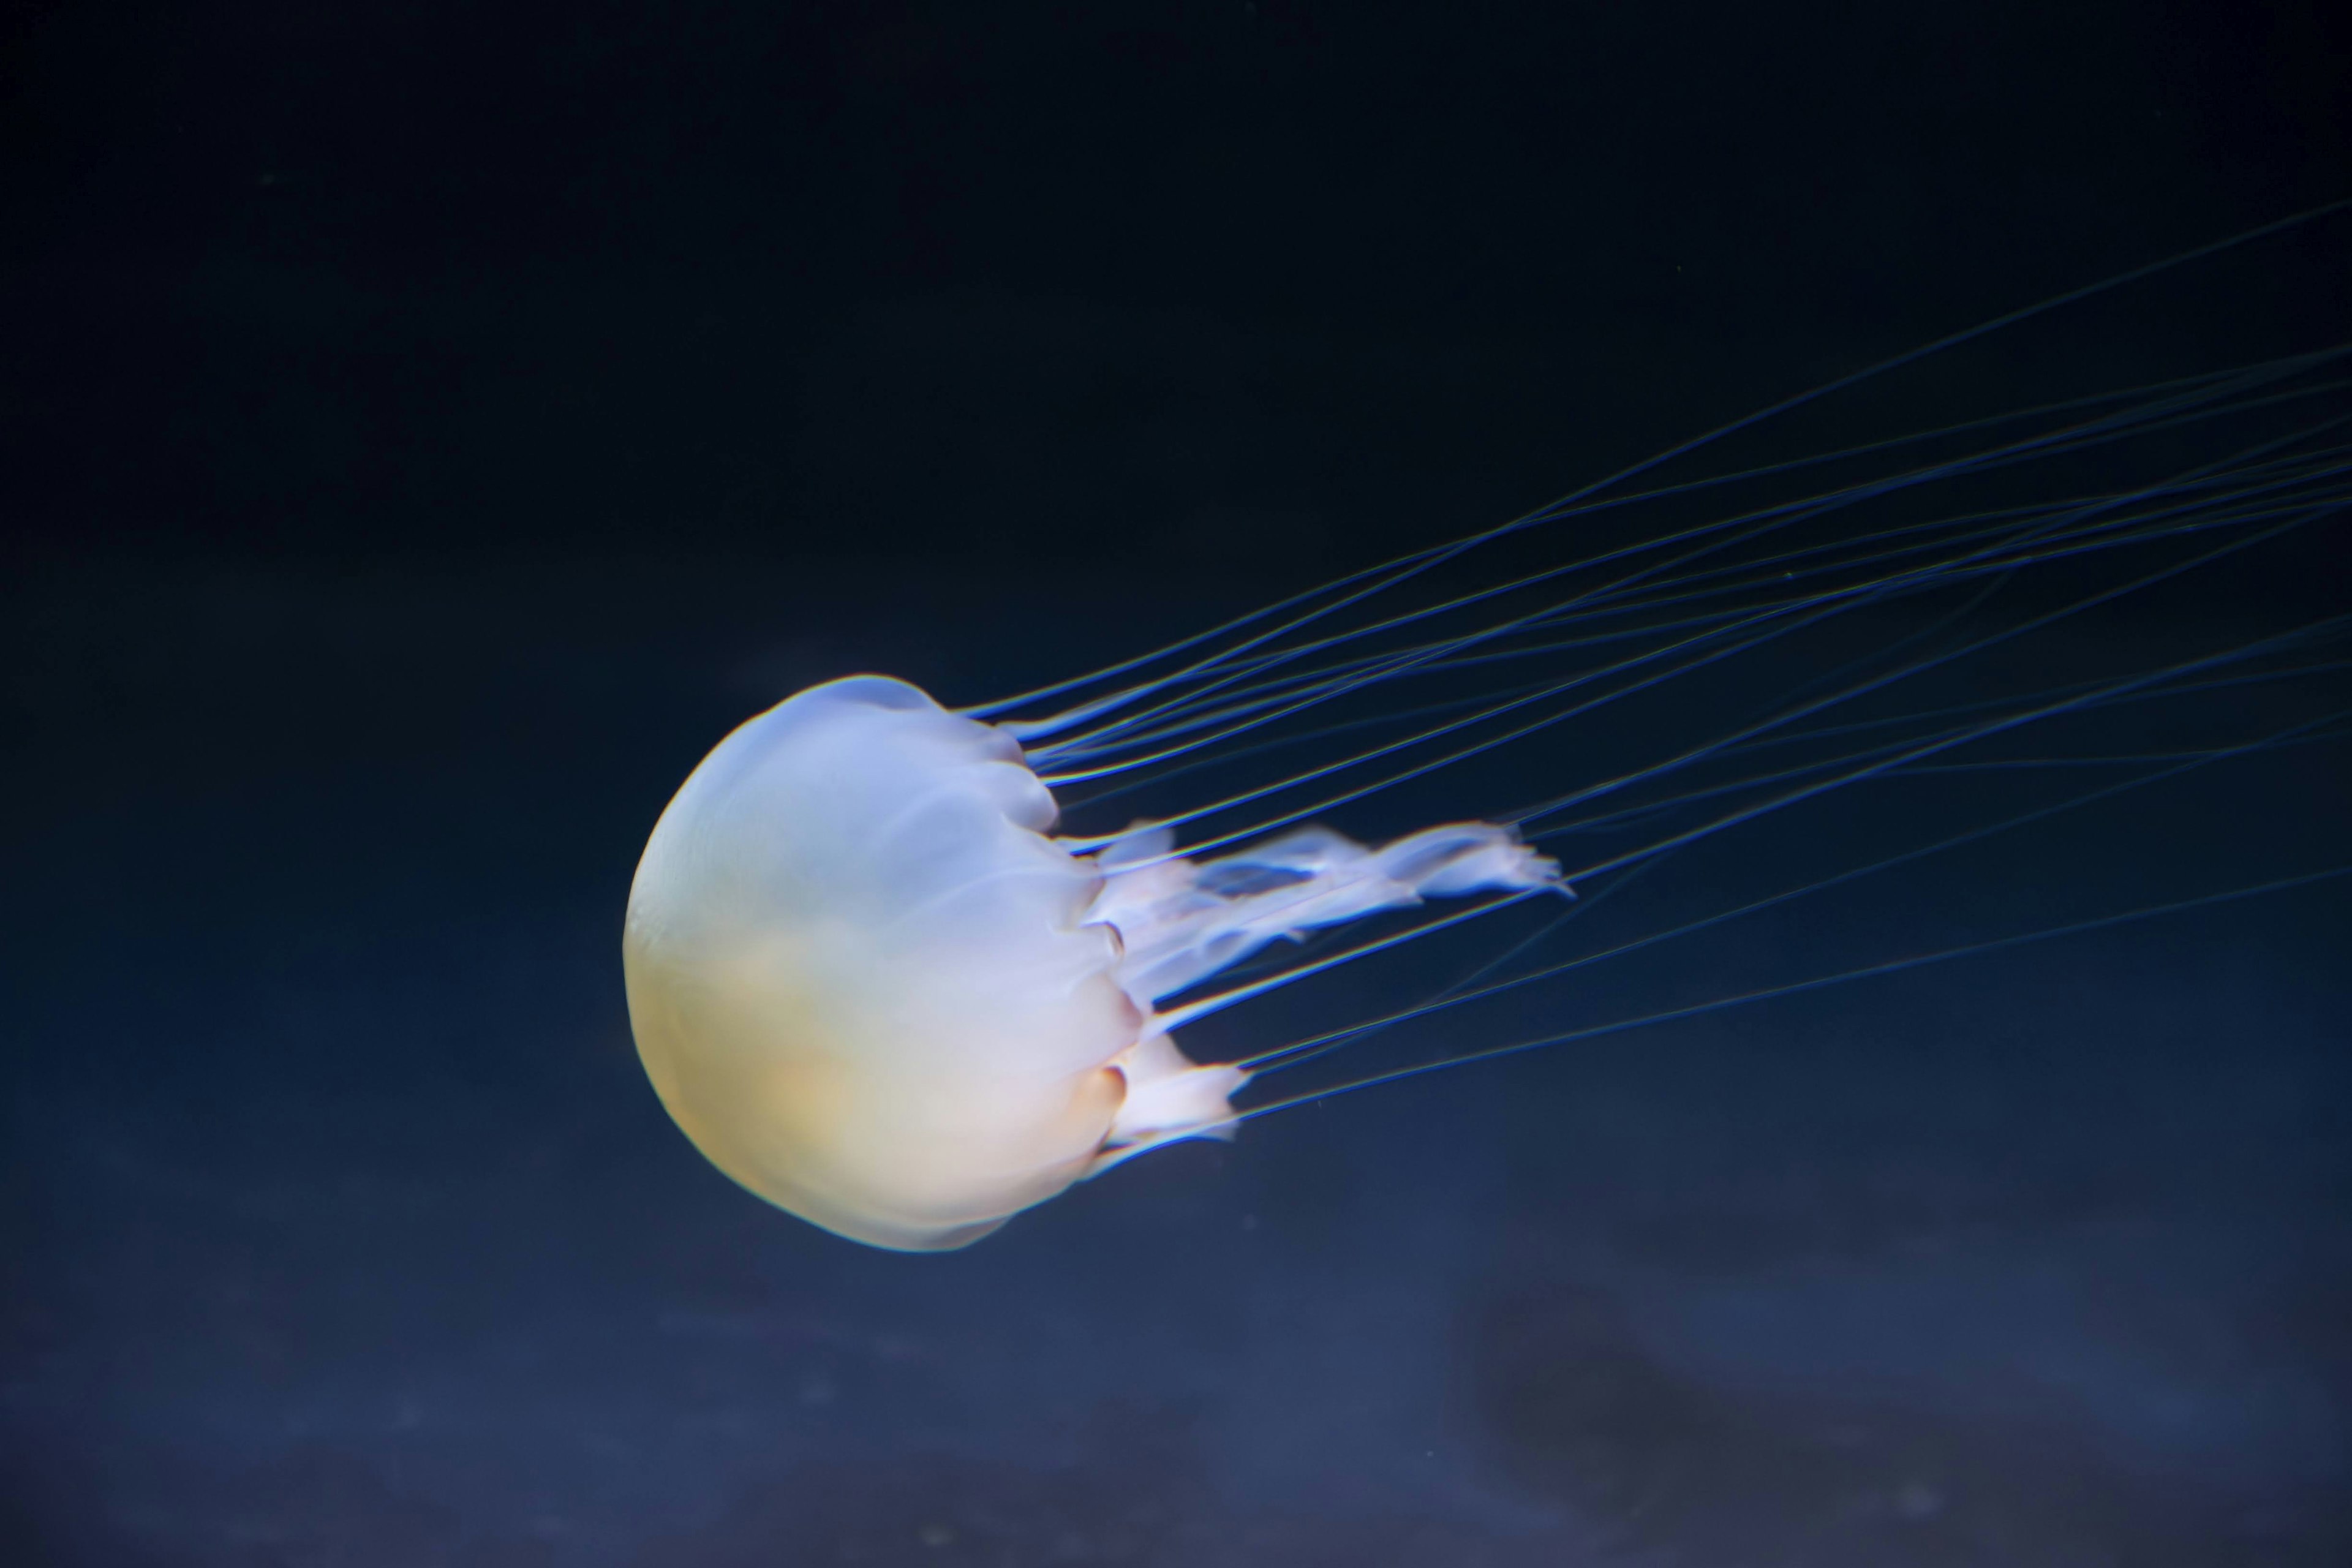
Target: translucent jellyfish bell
{"type": "Point", "coordinates": [872, 990]}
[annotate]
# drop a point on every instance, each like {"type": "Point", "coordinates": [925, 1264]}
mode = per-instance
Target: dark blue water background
{"type": "Point", "coordinates": [431, 432]}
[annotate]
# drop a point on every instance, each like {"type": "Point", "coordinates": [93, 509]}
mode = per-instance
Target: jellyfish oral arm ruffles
{"type": "Point", "coordinates": [872, 990]}
{"type": "Point", "coordinates": [1181, 922]}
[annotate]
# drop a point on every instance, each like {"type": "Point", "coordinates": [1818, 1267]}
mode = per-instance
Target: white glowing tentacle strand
{"type": "Point", "coordinates": [1183, 922]}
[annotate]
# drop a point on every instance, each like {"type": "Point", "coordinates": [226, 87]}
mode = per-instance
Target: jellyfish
{"type": "Point", "coordinates": [877, 981]}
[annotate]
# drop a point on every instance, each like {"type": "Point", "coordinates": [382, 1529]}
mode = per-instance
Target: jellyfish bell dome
{"type": "Point", "coordinates": [872, 989]}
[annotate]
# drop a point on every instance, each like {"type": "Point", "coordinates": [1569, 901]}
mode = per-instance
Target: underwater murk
{"type": "Point", "coordinates": [1202, 981]}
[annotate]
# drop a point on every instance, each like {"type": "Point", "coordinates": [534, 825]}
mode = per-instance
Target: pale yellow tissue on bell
{"type": "Point", "coordinates": [872, 991]}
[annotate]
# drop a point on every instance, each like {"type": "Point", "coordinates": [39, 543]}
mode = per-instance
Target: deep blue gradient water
{"type": "Point", "coordinates": [423, 434]}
